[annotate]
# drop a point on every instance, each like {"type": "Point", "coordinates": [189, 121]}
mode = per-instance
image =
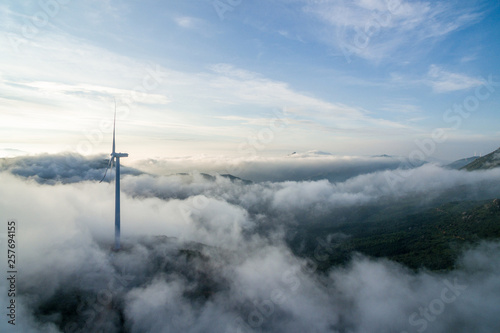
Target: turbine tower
{"type": "Point", "coordinates": [115, 156]}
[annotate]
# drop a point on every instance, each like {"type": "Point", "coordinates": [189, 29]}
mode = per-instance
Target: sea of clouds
{"type": "Point", "coordinates": [207, 253]}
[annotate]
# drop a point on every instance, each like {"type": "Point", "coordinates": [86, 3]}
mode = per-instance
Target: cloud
{"type": "Point", "coordinates": [314, 181]}
{"type": "Point", "coordinates": [65, 168]}
{"type": "Point", "coordinates": [140, 88]}
{"type": "Point", "coordinates": [378, 30]}
{"type": "Point", "coordinates": [10, 152]}
{"type": "Point", "coordinates": [54, 88]}
{"type": "Point", "coordinates": [310, 165]}
{"type": "Point", "coordinates": [248, 87]}
{"type": "Point", "coordinates": [442, 81]}
{"type": "Point", "coordinates": [160, 284]}
{"type": "Point", "coordinates": [196, 257]}
{"type": "Point", "coordinates": [253, 88]}
{"type": "Point", "coordinates": [187, 22]}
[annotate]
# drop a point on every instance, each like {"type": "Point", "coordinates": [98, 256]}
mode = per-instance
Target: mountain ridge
{"type": "Point", "coordinates": [489, 161]}
{"type": "Point", "coordinates": [458, 164]}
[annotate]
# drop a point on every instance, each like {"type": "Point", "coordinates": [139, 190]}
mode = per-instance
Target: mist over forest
{"type": "Point", "coordinates": [208, 250]}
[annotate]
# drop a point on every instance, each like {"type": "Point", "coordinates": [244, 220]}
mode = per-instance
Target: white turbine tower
{"type": "Point", "coordinates": [116, 156]}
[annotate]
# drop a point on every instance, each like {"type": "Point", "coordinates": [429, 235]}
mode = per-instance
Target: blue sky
{"type": "Point", "coordinates": [245, 78]}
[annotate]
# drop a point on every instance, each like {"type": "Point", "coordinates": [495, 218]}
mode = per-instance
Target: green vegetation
{"type": "Point", "coordinates": [490, 161]}
{"type": "Point", "coordinates": [433, 238]}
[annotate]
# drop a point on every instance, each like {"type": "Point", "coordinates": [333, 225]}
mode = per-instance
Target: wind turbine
{"type": "Point", "coordinates": [115, 156]}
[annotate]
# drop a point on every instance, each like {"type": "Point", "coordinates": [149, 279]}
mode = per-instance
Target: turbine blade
{"type": "Point", "coordinates": [114, 126]}
{"type": "Point", "coordinates": [107, 168]}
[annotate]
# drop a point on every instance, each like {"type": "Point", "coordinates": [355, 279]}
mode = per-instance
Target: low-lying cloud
{"type": "Point", "coordinates": [65, 168]}
{"type": "Point", "coordinates": [195, 258]}
{"type": "Point", "coordinates": [313, 165]}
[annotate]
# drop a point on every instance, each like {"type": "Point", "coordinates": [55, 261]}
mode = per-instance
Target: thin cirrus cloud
{"type": "Point", "coordinates": [60, 88]}
{"type": "Point", "coordinates": [443, 81]}
{"type": "Point", "coordinates": [376, 29]}
{"type": "Point", "coordinates": [247, 87]}
{"type": "Point", "coordinates": [188, 22]}
{"type": "Point", "coordinates": [440, 80]}
{"type": "Point", "coordinates": [98, 74]}
{"type": "Point", "coordinates": [222, 81]}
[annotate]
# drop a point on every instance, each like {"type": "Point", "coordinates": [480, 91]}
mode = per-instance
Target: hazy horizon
{"type": "Point", "coordinates": [267, 77]}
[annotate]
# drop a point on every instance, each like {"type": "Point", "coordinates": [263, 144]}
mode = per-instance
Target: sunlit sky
{"type": "Point", "coordinates": [265, 77]}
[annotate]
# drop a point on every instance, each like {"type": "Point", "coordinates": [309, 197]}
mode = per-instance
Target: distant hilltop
{"type": "Point", "coordinates": [490, 161]}
{"type": "Point", "coordinates": [462, 162]}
